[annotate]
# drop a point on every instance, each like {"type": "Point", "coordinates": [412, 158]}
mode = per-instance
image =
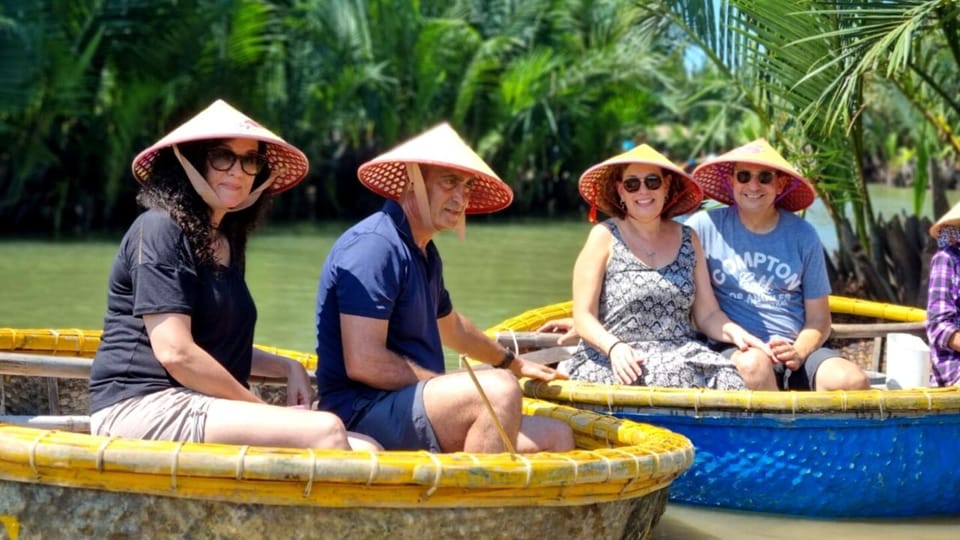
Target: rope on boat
{"type": "Point", "coordinates": [374, 468]}
{"type": "Point", "coordinates": [313, 468]}
{"type": "Point", "coordinates": [516, 345]}
{"type": "Point", "coordinates": [576, 467]}
{"type": "Point", "coordinates": [175, 464]}
{"type": "Point", "coordinates": [56, 340]}
{"type": "Point", "coordinates": [436, 476]}
{"type": "Point", "coordinates": [101, 450]}
{"type": "Point", "coordinates": [636, 467]}
{"type": "Point", "coordinates": [529, 471]}
{"type": "Point", "coordinates": [33, 453]}
{"type": "Point", "coordinates": [607, 462]}
{"type": "Point", "coordinates": [242, 454]}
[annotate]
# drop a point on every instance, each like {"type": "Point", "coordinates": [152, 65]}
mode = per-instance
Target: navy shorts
{"type": "Point", "coordinates": [396, 419]}
{"type": "Point", "coordinates": [804, 379]}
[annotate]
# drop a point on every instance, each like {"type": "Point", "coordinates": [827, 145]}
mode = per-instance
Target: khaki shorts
{"type": "Point", "coordinates": [175, 414]}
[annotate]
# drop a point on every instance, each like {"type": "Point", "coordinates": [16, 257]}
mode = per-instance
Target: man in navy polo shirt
{"type": "Point", "coordinates": [383, 314]}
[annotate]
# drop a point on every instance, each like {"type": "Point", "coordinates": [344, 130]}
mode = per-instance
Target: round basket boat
{"type": "Point", "coordinates": [872, 453]}
{"type": "Point", "coordinates": [614, 485]}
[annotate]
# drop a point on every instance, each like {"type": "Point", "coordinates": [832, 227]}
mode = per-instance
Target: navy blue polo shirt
{"type": "Point", "coordinates": [376, 270]}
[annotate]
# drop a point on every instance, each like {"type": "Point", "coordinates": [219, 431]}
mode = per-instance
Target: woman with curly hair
{"type": "Point", "coordinates": [177, 345]}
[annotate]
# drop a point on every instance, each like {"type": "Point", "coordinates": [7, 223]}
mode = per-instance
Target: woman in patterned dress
{"type": "Point", "coordinates": [641, 291]}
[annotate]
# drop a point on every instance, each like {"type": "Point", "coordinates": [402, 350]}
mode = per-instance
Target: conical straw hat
{"type": "Point", "coordinates": [714, 175]}
{"type": "Point", "coordinates": [952, 217]}
{"type": "Point", "coordinates": [684, 199]}
{"type": "Point", "coordinates": [221, 121]}
{"type": "Point", "coordinates": [441, 146]}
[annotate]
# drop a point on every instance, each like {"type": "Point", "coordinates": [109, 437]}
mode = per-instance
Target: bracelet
{"type": "Point", "coordinates": [508, 358]}
{"type": "Point", "coordinates": [615, 343]}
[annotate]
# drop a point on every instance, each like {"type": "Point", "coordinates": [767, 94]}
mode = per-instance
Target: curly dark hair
{"type": "Point", "coordinates": [608, 200]}
{"type": "Point", "coordinates": [169, 189]}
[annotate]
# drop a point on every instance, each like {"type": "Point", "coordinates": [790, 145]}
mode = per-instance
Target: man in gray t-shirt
{"type": "Point", "coordinates": [768, 271]}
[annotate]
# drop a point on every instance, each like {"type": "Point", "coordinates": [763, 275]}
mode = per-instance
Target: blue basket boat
{"type": "Point", "coordinates": [872, 453]}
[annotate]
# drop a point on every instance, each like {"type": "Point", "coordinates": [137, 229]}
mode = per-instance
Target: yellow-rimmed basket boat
{"type": "Point", "coordinates": [873, 453]}
{"type": "Point", "coordinates": [614, 485]}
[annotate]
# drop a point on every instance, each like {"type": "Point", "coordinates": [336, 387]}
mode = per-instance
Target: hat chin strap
{"type": "Point", "coordinates": [423, 203]}
{"type": "Point", "coordinates": [420, 192]}
{"type": "Point", "coordinates": [209, 196]}
{"type": "Point", "coordinates": [461, 226]}
{"type": "Point", "coordinates": [786, 191]}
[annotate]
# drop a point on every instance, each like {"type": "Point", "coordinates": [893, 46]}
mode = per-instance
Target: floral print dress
{"type": "Point", "coordinates": [650, 308]}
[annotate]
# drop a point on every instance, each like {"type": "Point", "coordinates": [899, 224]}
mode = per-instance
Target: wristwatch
{"type": "Point", "coordinates": [508, 358]}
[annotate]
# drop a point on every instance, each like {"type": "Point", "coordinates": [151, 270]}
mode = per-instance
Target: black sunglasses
{"type": "Point", "coordinates": [632, 183]}
{"type": "Point", "coordinates": [222, 159]}
{"type": "Point", "coordinates": [765, 177]}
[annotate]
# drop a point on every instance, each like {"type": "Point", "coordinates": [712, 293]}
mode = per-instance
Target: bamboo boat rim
{"type": "Point", "coordinates": [616, 459]}
{"type": "Point", "coordinates": [884, 402]}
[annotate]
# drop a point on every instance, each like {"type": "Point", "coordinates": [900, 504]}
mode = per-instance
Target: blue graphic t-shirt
{"type": "Point", "coordinates": [762, 280]}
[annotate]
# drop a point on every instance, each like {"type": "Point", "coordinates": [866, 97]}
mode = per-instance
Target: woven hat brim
{"type": "Point", "coordinates": [952, 217]}
{"type": "Point", "coordinates": [439, 146]}
{"type": "Point", "coordinates": [389, 178]}
{"type": "Point", "coordinates": [685, 200]}
{"type": "Point", "coordinates": [714, 178]}
{"type": "Point", "coordinates": [715, 175]}
{"type": "Point", "coordinates": [287, 161]}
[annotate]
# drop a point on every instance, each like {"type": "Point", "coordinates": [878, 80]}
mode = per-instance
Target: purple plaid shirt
{"type": "Point", "coordinates": [943, 315]}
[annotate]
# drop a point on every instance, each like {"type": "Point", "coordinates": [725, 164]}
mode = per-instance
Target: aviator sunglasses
{"type": "Point", "coordinates": [764, 177]}
{"type": "Point", "coordinates": [632, 183]}
{"type": "Point", "coordinates": [222, 159]}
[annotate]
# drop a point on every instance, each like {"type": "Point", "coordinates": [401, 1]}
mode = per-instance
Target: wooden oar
{"type": "Point", "coordinates": [871, 330]}
{"type": "Point", "coordinates": [548, 356]}
{"type": "Point", "coordinates": [528, 341]}
{"type": "Point", "coordinates": [69, 367]}
{"type": "Point", "coordinates": [486, 401]}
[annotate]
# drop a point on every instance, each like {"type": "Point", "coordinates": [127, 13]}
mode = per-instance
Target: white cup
{"type": "Point", "coordinates": [908, 361]}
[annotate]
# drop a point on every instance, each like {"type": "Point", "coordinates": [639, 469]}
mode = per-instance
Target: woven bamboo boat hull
{"type": "Point", "coordinates": [98, 514]}
{"type": "Point", "coordinates": [875, 453]}
{"type": "Point", "coordinates": [614, 485]}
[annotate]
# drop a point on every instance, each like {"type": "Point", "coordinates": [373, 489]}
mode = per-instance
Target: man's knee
{"type": "Point", "coordinates": [841, 374]}
{"type": "Point", "coordinates": [752, 361]}
{"type": "Point", "coordinates": [755, 367]}
{"type": "Point", "coordinates": [501, 386]}
{"type": "Point", "coordinates": [542, 434]}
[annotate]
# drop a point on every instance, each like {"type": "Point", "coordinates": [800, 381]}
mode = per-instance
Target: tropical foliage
{"type": "Point", "coordinates": [834, 83]}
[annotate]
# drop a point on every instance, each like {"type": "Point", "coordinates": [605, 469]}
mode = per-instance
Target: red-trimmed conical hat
{"type": "Point", "coordinates": [386, 174]}
{"type": "Point", "coordinates": [221, 121]}
{"type": "Point", "coordinates": [684, 199]}
{"type": "Point", "coordinates": [714, 175]}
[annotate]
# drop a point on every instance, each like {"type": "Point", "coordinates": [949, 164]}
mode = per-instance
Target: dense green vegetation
{"type": "Point", "coordinates": [542, 88]}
